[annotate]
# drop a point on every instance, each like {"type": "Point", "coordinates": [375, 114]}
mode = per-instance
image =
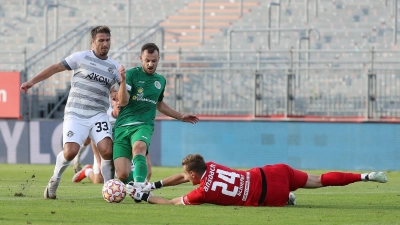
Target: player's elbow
{"type": "Point", "coordinates": [160, 109]}
{"type": "Point", "coordinates": [123, 102]}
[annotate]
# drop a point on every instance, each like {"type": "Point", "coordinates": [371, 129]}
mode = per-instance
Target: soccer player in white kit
{"type": "Point", "coordinates": [86, 110]}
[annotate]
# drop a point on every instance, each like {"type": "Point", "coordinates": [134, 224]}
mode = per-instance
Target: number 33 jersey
{"type": "Point", "coordinates": [225, 186]}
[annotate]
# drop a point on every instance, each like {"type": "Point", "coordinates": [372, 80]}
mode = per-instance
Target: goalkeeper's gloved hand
{"type": "Point", "coordinates": [129, 187]}
{"type": "Point", "coordinates": [150, 186]}
{"type": "Point", "coordinates": [138, 195]}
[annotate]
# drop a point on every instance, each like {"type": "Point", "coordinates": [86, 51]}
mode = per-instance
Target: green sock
{"type": "Point", "coordinates": [140, 172]}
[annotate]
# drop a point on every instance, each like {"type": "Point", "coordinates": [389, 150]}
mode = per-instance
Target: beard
{"type": "Point", "coordinates": [148, 71]}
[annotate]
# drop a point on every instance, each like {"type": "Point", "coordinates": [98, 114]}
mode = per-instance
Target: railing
{"type": "Point", "coordinates": [260, 83]}
{"type": "Point", "coordinates": [274, 83]}
{"type": "Point", "coordinates": [44, 93]}
{"type": "Point", "coordinates": [358, 84]}
{"type": "Point", "coordinates": [146, 34]}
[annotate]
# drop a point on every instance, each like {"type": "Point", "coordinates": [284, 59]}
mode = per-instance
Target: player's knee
{"type": "Point", "coordinates": [123, 176]}
{"type": "Point", "coordinates": [69, 156]}
{"type": "Point", "coordinates": [107, 154]}
{"type": "Point", "coordinates": [70, 151]}
{"type": "Point", "coordinates": [139, 147]}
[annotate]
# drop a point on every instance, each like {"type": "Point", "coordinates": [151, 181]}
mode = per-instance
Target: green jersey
{"type": "Point", "coordinates": [145, 92]}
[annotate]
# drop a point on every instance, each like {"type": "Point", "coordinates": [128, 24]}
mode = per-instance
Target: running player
{"type": "Point", "coordinates": [86, 110]}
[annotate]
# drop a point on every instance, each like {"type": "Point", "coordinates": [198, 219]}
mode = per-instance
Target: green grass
{"type": "Point", "coordinates": [22, 186]}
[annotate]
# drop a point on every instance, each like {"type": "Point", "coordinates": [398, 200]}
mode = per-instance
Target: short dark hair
{"type": "Point", "coordinates": [150, 47]}
{"type": "Point", "coordinates": [195, 163]}
{"type": "Point", "coordinates": [100, 29]}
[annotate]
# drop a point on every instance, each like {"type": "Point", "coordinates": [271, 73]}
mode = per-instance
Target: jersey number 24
{"type": "Point", "coordinates": [229, 178]}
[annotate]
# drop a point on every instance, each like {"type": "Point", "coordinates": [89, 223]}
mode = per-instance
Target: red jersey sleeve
{"type": "Point", "coordinates": [195, 197]}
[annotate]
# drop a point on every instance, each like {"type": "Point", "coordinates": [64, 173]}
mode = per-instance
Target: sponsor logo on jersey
{"type": "Point", "coordinates": [98, 78]}
{"type": "Point", "coordinates": [209, 177]}
{"type": "Point", "coordinates": [142, 82]}
{"type": "Point", "coordinates": [140, 93]}
{"type": "Point", "coordinates": [246, 187]}
{"type": "Point", "coordinates": [144, 137]}
{"type": "Point", "coordinates": [111, 70]}
{"type": "Point", "coordinates": [241, 185]}
{"type": "Point", "coordinates": [139, 96]}
{"type": "Point", "coordinates": [157, 84]}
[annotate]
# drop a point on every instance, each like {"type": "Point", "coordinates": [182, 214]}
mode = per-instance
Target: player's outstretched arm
{"type": "Point", "coordinates": [169, 181]}
{"type": "Point", "coordinates": [43, 75]}
{"type": "Point", "coordinates": [168, 111]}
{"type": "Point", "coordinates": [139, 195]}
{"type": "Point", "coordinates": [173, 180]}
{"type": "Point", "coordinates": [162, 201]}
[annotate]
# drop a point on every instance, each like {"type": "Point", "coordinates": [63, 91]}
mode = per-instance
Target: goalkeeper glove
{"type": "Point", "coordinates": [150, 186]}
{"type": "Point", "coordinates": [138, 195]}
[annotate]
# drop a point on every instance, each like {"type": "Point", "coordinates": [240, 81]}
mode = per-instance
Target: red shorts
{"type": "Point", "coordinates": [282, 179]}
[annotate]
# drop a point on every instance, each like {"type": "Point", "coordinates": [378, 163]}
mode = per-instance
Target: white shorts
{"type": "Point", "coordinates": [77, 129]}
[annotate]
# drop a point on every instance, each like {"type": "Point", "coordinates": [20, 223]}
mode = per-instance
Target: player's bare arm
{"type": "Point", "coordinates": [163, 201]}
{"type": "Point", "coordinates": [168, 111]}
{"type": "Point", "coordinates": [173, 180]}
{"type": "Point", "coordinates": [43, 75]}
{"type": "Point", "coordinates": [139, 195]}
{"type": "Point", "coordinates": [176, 179]}
{"type": "Point", "coordinates": [123, 95]}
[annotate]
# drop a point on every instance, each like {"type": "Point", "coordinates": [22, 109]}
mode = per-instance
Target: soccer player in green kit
{"type": "Point", "coordinates": [140, 94]}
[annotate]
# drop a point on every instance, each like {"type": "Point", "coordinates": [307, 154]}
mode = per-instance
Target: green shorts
{"type": "Point", "coordinates": [124, 137]}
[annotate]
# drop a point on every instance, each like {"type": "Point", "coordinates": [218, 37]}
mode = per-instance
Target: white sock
{"type": "Point", "coordinates": [61, 165]}
{"type": "Point", "coordinates": [363, 176]}
{"type": "Point", "coordinates": [96, 169]}
{"type": "Point", "coordinates": [77, 158]}
{"type": "Point", "coordinates": [87, 172]}
{"type": "Point", "coordinates": [106, 170]}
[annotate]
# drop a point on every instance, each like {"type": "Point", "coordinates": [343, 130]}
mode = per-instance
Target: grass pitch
{"type": "Point", "coordinates": [22, 186]}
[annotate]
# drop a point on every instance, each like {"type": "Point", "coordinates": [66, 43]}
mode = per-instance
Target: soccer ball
{"type": "Point", "coordinates": [114, 191]}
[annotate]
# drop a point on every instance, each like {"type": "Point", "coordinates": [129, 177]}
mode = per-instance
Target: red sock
{"type": "Point", "coordinates": [339, 178]}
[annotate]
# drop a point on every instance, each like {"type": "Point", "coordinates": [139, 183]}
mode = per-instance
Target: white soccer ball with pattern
{"type": "Point", "coordinates": [114, 191]}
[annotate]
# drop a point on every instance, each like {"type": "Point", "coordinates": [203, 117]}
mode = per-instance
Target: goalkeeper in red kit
{"type": "Point", "coordinates": [270, 185]}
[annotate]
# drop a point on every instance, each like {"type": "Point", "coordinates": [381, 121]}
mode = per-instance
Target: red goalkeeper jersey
{"type": "Point", "coordinates": [225, 186]}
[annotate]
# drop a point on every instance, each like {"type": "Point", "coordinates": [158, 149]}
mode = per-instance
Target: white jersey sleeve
{"type": "Point", "coordinates": [91, 83]}
{"type": "Point", "coordinates": [117, 75]}
{"type": "Point", "coordinates": [72, 62]}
